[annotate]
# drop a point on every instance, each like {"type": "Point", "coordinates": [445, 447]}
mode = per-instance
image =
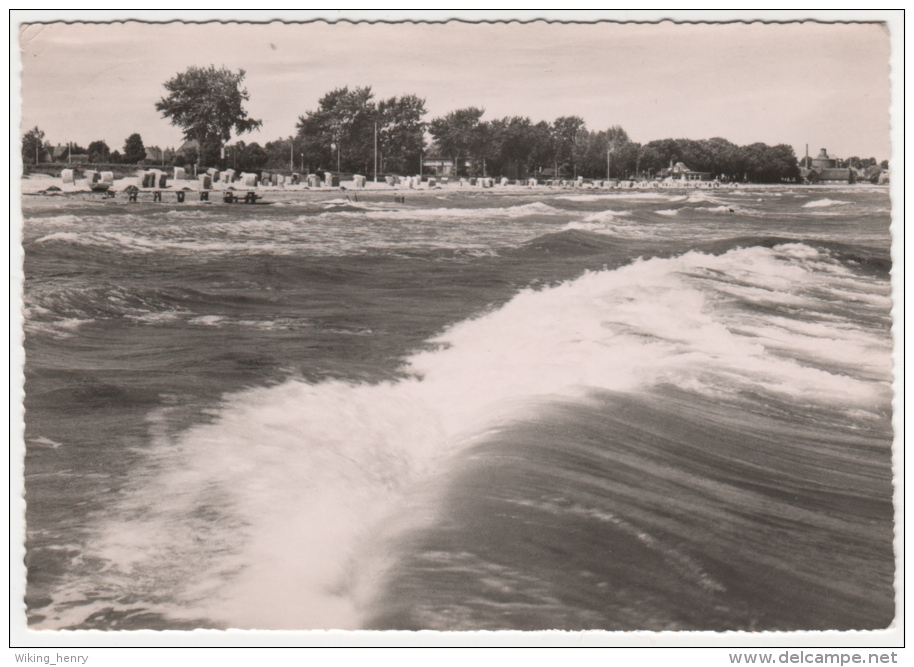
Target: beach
{"type": "Point", "coordinates": [40, 184]}
{"type": "Point", "coordinates": [459, 408]}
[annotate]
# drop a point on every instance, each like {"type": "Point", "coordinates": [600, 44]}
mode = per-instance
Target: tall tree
{"type": "Point", "coordinates": [621, 158]}
{"type": "Point", "coordinates": [134, 151]}
{"type": "Point", "coordinates": [278, 153]}
{"type": "Point", "coordinates": [401, 133]}
{"type": "Point", "coordinates": [208, 104]}
{"type": "Point", "coordinates": [542, 147]}
{"type": "Point", "coordinates": [725, 158]}
{"type": "Point", "coordinates": [565, 131]}
{"type": "Point", "coordinates": [341, 130]}
{"type": "Point", "coordinates": [588, 153]}
{"type": "Point", "coordinates": [516, 146]}
{"type": "Point", "coordinates": [458, 135]}
{"type": "Point", "coordinates": [649, 160]}
{"type": "Point", "coordinates": [32, 146]}
{"type": "Point", "coordinates": [99, 151]}
{"type": "Point", "coordinates": [248, 157]}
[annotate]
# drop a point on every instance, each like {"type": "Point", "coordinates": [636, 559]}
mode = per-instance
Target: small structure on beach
{"type": "Point", "coordinates": [680, 172]}
{"type": "Point", "coordinates": [436, 166]}
{"type": "Point", "coordinates": [153, 178]}
{"type": "Point", "coordinates": [159, 178]}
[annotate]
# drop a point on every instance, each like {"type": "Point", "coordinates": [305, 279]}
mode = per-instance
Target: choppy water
{"type": "Point", "coordinates": [650, 411]}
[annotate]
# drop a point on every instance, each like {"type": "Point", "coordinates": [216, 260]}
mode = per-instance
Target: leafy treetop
{"type": "Point", "coordinates": [207, 103]}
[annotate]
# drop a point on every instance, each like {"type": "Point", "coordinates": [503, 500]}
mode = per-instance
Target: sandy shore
{"type": "Point", "coordinates": [42, 184]}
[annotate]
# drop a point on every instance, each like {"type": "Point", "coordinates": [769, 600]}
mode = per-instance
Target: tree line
{"type": "Point", "coordinates": [35, 150]}
{"type": "Point", "coordinates": [350, 131]}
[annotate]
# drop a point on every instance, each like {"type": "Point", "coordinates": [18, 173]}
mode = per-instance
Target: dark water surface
{"type": "Point", "coordinates": [656, 410]}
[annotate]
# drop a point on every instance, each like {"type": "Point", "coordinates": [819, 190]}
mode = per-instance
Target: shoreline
{"type": "Point", "coordinates": [37, 185]}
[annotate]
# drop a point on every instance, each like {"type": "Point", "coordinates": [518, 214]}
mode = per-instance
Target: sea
{"type": "Point", "coordinates": [463, 410]}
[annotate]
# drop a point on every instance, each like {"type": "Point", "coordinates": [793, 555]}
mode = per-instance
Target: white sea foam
{"type": "Point", "coordinates": [619, 195]}
{"type": "Point", "coordinates": [155, 317]}
{"type": "Point", "coordinates": [270, 516]}
{"type": "Point", "coordinates": [821, 203]}
{"type": "Point", "coordinates": [407, 213]}
{"type": "Point", "coordinates": [599, 227]}
{"type": "Point", "coordinates": [606, 216]}
{"type": "Point", "coordinates": [104, 239]}
{"type": "Point", "coordinates": [66, 327]}
{"type": "Point", "coordinates": [375, 226]}
{"type": "Point", "coordinates": [207, 320]}
{"type": "Point", "coordinates": [42, 441]}
{"type": "Point", "coordinates": [51, 219]}
{"type": "Point", "coordinates": [600, 222]}
{"type": "Point", "coordinates": [723, 208]}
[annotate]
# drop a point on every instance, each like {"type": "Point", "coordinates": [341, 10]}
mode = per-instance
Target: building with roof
{"type": "Point", "coordinates": [835, 176]}
{"type": "Point", "coordinates": [824, 169]}
{"type": "Point", "coordinates": [154, 155]}
{"type": "Point", "coordinates": [191, 146]}
{"type": "Point", "coordinates": [680, 172]}
{"type": "Point", "coordinates": [824, 161]}
{"type": "Point", "coordinates": [58, 153]}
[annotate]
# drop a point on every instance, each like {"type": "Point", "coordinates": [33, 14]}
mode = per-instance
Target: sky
{"type": "Point", "coordinates": [825, 85]}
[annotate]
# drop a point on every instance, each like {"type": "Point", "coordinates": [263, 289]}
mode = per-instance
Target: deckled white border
{"type": "Point", "coordinates": [20, 636]}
